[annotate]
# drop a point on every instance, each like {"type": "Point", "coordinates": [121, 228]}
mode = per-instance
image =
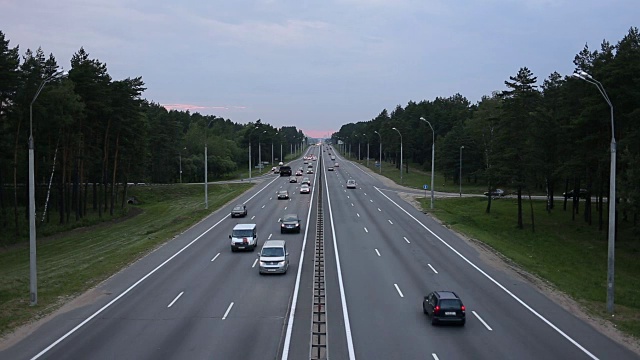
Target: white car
{"type": "Point", "coordinates": [351, 184]}
{"type": "Point", "coordinates": [305, 189]}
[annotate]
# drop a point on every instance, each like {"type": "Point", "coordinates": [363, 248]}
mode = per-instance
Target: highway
{"type": "Point", "coordinates": [194, 299]}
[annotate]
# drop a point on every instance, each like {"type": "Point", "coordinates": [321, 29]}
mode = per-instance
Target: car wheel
{"type": "Point", "coordinates": [462, 323]}
{"type": "Point", "coordinates": [233, 249]}
{"type": "Point", "coordinates": [434, 322]}
{"type": "Point", "coordinates": [424, 310]}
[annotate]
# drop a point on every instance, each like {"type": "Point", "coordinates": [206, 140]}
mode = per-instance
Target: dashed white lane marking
{"type": "Point", "coordinates": [379, 209]}
{"type": "Point", "coordinates": [365, 229]}
{"type": "Point", "coordinates": [279, 219]}
{"type": "Point", "coordinates": [390, 222]}
{"type": "Point", "coordinates": [370, 200]}
{"type": "Point", "coordinates": [358, 214]}
{"type": "Point", "coordinates": [407, 240]}
{"type": "Point", "coordinates": [253, 217]}
{"type": "Point", "coordinates": [399, 292]}
{"type": "Point", "coordinates": [176, 299]}
{"type": "Point", "coordinates": [254, 263]}
{"type": "Point", "coordinates": [270, 235]}
{"type": "Point", "coordinates": [351, 204]}
{"type": "Point", "coordinates": [435, 357]}
{"type": "Point", "coordinates": [434, 270]}
{"type": "Point", "coordinates": [348, 197]}
{"type": "Point", "coordinates": [482, 321]}
{"type": "Point", "coordinates": [263, 206]}
{"type": "Point", "coordinates": [285, 207]}
{"type": "Point", "coordinates": [365, 194]}
{"type": "Point", "coordinates": [271, 198]}
{"type": "Point", "coordinates": [377, 252]}
{"type": "Point", "coordinates": [215, 257]}
{"type": "Point", "coordinates": [227, 312]}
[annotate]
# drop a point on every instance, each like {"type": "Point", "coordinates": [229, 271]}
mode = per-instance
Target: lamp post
{"type": "Point", "coordinates": [433, 157]}
{"type": "Point", "coordinates": [460, 177]}
{"type": "Point", "coordinates": [367, 149]}
{"type": "Point", "coordinates": [206, 181]}
{"type": "Point", "coordinates": [33, 274]}
{"type": "Point", "coordinates": [380, 151]}
{"type": "Point", "coordinates": [260, 152]}
{"type": "Point", "coordinates": [612, 194]}
{"type": "Point", "coordinates": [400, 153]}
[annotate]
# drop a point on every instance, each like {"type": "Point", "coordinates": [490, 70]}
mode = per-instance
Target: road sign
{"type": "Point", "coordinates": [425, 186]}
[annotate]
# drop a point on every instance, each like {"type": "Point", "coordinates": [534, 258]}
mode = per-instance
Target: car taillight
{"type": "Point", "coordinates": [436, 309]}
{"type": "Point", "coordinates": [462, 308]}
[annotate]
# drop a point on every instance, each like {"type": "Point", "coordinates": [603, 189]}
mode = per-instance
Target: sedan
{"type": "Point", "coordinates": [336, 165]}
{"type": "Point", "coordinates": [351, 184]}
{"type": "Point", "coordinates": [290, 223]}
{"type": "Point", "coordinates": [283, 195]}
{"type": "Point", "coordinates": [239, 210]}
{"type": "Point", "coordinates": [293, 179]}
{"type": "Point", "coordinates": [306, 180]}
{"type": "Point", "coordinates": [310, 171]}
{"type": "Point", "coordinates": [305, 189]}
{"type": "Point", "coordinates": [495, 193]}
{"type": "Point", "coordinates": [298, 172]}
{"type": "Point", "coordinates": [330, 168]}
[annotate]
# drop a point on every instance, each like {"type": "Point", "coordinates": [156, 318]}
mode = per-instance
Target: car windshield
{"type": "Point", "coordinates": [351, 182]}
{"type": "Point", "coordinates": [238, 208]}
{"type": "Point", "coordinates": [450, 304]}
{"type": "Point", "coordinates": [283, 192]}
{"type": "Point", "coordinates": [242, 233]}
{"type": "Point", "coordinates": [290, 218]}
{"type": "Point", "coordinates": [272, 252]}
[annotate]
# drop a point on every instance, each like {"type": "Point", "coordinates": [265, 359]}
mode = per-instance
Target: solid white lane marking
{"type": "Point", "coordinates": [270, 236]}
{"type": "Point", "coordinates": [399, 292]}
{"type": "Point", "coordinates": [482, 321]}
{"type": "Point", "coordinates": [130, 288]}
{"type": "Point", "coordinates": [377, 252]}
{"type": "Point", "coordinates": [407, 240]}
{"type": "Point", "coordinates": [365, 229]}
{"type": "Point", "coordinates": [434, 270]}
{"type": "Point", "coordinates": [435, 357]}
{"type": "Point", "coordinates": [502, 287]}
{"type": "Point", "coordinates": [215, 257]}
{"type": "Point", "coordinates": [379, 209]}
{"type": "Point", "coordinates": [227, 312]}
{"type": "Point", "coordinates": [263, 206]}
{"type": "Point", "coordinates": [253, 217]}
{"type": "Point", "coordinates": [296, 288]}
{"type": "Point", "coordinates": [176, 299]}
{"type": "Point", "coordinates": [254, 263]}
{"type": "Point", "coordinates": [390, 222]}
{"type": "Point", "coordinates": [358, 214]}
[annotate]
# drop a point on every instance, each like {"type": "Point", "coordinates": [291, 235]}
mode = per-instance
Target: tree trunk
{"type": "Point", "coordinates": [113, 178]}
{"type": "Point", "coordinates": [15, 181]}
{"type": "Point", "coordinates": [105, 163]}
{"type": "Point", "coordinates": [520, 223]}
{"type": "Point", "coordinates": [533, 222]}
{"type": "Point", "coordinates": [566, 190]}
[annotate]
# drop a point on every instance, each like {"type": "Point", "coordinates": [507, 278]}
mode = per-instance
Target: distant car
{"type": "Point", "coordinates": [309, 171]}
{"type": "Point", "coordinates": [330, 168]}
{"type": "Point", "coordinates": [305, 189]}
{"type": "Point", "coordinates": [336, 165]}
{"type": "Point", "coordinates": [444, 306]}
{"type": "Point", "coordinates": [283, 195]}
{"type": "Point", "coordinates": [583, 194]}
{"type": "Point", "coordinates": [306, 180]}
{"type": "Point", "coordinates": [306, 162]}
{"type": "Point", "coordinates": [495, 193]}
{"type": "Point", "coordinates": [351, 184]}
{"type": "Point", "coordinates": [239, 210]}
{"type": "Point", "coordinates": [298, 172]}
{"type": "Point", "coordinates": [293, 179]}
{"type": "Point", "coordinates": [290, 223]}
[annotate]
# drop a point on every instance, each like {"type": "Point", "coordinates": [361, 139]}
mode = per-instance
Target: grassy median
{"type": "Point", "coordinates": [72, 262]}
{"type": "Point", "coordinates": [570, 254]}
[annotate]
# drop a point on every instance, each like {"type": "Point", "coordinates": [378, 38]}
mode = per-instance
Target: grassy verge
{"type": "Point", "coordinates": [70, 263]}
{"type": "Point", "coordinates": [572, 255]}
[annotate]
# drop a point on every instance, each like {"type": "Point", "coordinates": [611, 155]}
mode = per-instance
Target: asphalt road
{"type": "Point", "coordinates": [195, 299]}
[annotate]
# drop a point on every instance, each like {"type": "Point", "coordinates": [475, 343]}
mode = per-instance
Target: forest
{"type": "Point", "coordinates": [93, 136]}
{"type": "Point", "coordinates": [535, 137]}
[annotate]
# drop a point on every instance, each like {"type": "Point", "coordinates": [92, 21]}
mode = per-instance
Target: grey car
{"type": "Point", "coordinates": [239, 210]}
{"type": "Point", "coordinates": [273, 258]}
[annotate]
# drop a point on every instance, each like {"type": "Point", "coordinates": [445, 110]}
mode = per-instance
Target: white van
{"type": "Point", "coordinates": [273, 257]}
{"type": "Point", "coordinates": [244, 237]}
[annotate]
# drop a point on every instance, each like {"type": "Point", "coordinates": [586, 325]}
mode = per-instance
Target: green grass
{"type": "Point", "coordinates": [72, 262]}
{"type": "Point", "coordinates": [571, 255]}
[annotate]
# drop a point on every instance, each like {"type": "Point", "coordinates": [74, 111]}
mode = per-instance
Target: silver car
{"type": "Point", "coordinates": [273, 258]}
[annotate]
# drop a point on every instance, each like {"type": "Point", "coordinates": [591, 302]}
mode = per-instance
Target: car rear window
{"type": "Point", "coordinates": [450, 303]}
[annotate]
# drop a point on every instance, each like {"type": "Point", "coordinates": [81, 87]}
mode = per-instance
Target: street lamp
{"type": "Point", "coordinates": [206, 181]}
{"type": "Point", "coordinates": [433, 157]}
{"type": "Point", "coordinates": [367, 149]}
{"type": "Point", "coordinates": [460, 179]}
{"type": "Point", "coordinates": [612, 194]}
{"type": "Point", "coordinates": [400, 153]}
{"type": "Point", "coordinates": [380, 151]}
{"type": "Point", "coordinates": [33, 274]}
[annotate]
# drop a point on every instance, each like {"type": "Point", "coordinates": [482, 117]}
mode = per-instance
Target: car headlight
{"type": "Point", "coordinates": [262, 263]}
{"type": "Point", "coordinates": [282, 225]}
{"type": "Point", "coordinates": [281, 263]}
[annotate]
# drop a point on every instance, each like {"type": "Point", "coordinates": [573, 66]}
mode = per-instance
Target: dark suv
{"type": "Point", "coordinates": [444, 306]}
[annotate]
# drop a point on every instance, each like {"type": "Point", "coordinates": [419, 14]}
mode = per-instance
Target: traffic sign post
{"type": "Point", "coordinates": [425, 187]}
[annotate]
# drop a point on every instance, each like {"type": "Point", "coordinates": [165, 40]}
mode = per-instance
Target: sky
{"type": "Point", "coordinates": [317, 65]}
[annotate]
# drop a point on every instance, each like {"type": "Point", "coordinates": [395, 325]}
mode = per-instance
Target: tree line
{"type": "Point", "coordinates": [547, 137]}
{"type": "Point", "coordinates": [94, 135]}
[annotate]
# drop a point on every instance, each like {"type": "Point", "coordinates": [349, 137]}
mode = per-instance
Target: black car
{"type": "Point", "coordinates": [283, 195]}
{"type": "Point", "coordinates": [583, 194]}
{"type": "Point", "coordinates": [495, 193]}
{"type": "Point", "coordinates": [444, 306]}
{"type": "Point", "coordinates": [290, 223]}
{"type": "Point", "coordinates": [239, 210]}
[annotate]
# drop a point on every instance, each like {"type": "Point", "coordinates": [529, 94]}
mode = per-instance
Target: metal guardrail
{"type": "Point", "coordinates": [318, 349]}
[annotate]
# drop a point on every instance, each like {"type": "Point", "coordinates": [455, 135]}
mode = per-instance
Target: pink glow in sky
{"type": "Point", "coordinates": [318, 133]}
